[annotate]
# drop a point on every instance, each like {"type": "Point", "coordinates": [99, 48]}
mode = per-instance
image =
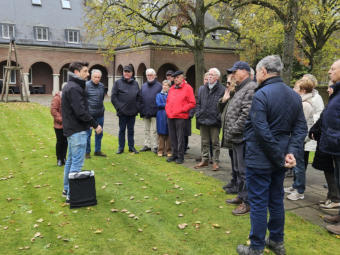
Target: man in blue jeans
{"type": "Point", "coordinates": [95, 91]}
{"type": "Point", "coordinates": [275, 132]}
{"type": "Point", "coordinates": [76, 120]}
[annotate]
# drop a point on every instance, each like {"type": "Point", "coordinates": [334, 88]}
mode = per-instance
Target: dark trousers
{"type": "Point", "coordinates": [240, 170]}
{"type": "Point", "coordinates": [233, 173]}
{"type": "Point", "coordinates": [265, 192]}
{"type": "Point", "coordinates": [176, 132]}
{"type": "Point", "coordinates": [333, 190]}
{"type": "Point", "coordinates": [336, 160]}
{"type": "Point", "coordinates": [61, 145]}
{"type": "Point", "coordinates": [129, 123]}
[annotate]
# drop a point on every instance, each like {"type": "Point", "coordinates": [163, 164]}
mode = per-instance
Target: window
{"type": "Point", "coordinates": [41, 33]}
{"type": "Point", "coordinates": [36, 2]}
{"type": "Point", "coordinates": [30, 76]}
{"type": "Point", "coordinates": [72, 36]}
{"type": "Point", "coordinates": [8, 31]}
{"type": "Point", "coordinates": [64, 74]}
{"type": "Point", "coordinates": [66, 4]}
{"type": "Point", "coordinates": [13, 79]}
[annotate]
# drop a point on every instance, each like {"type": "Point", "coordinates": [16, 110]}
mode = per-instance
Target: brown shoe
{"type": "Point", "coordinates": [332, 219]}
{"type": "Point", "coordinates": [215, 167]}
{"type": "Point", "coordinates": [242, 209]}
{"type": "Point", "coordinates": [234, 201]}
{"type": "Point", "coordinates": [335, 229]}
{"type": "Point", "coordinates": [201, 164]}
{"type": "Point", "coordinates": [87, 155]}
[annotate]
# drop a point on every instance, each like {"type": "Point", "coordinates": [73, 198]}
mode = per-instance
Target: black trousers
{"type": "Point", "coordinates": [176, 132]}
{"type": "Point", "coordinates": [61, 145]}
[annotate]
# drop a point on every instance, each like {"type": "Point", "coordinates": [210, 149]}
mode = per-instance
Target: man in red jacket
{"type": "Point", "coordinates": [180, 101]}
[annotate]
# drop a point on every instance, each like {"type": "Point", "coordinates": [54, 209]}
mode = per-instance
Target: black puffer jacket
{"type": "Point", "coordinates": [207, 112]}
{"type": "Point", "coordinates": [75, 111]}
{"type": "Point", "coordinates": [126, 97]}
{"type": "Point", "coordinates": [95, 97]}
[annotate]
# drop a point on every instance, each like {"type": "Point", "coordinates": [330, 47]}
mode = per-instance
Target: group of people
{"type": "Point", "coordinates": [264, 124]}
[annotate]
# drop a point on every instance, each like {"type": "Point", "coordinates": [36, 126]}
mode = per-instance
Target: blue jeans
{"type": "Point", "coordinates": [129, 122]}
{"type": "Point", "coordinates": [98, 138]}
{"type": "Point", "coordinates": [265, 192]}
{"type": "Point", "coordinates": [337, 171]}
{"type": "Point", "coordinates": [300, 174]}
{"type": "Point", "coordinates": [75, 156]}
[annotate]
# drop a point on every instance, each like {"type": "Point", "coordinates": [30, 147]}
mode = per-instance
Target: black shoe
{"type": "Point", "coordinates": [63, 161]}
{"type": "Point", "coordinates": [229, 185]}
{"type": "Point", "coordinates": [145, 148]}
{"type": "Point", "coordinates": [133, 150]}
{"type": "Point", "coordinates": [232, 190]}
{"type": "Point", "coordinates": [277, 247]}
{"type": "Point", "coordinates": [87, 155]}
{"type": "Point", "coordinates": [64, 194]}
{"type": "Point", "coordinates": [179, 161]}
{"type": "Point", "coordinates": [155, 150]}
{"type": "Point", "coordinates": [120, 151]}
{"type": "Point", "coordinates": [170, 159]}
{"type": "Point", "coordinates": [67, 201]}
{"type": "Point", "coordinates": [100, 154]}
{"type": "Point", "coordinates": [246, 250]}
{"type": "Point", "coordinates": [59, 163]}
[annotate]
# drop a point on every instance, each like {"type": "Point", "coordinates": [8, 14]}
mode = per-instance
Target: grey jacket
{"type": "Point", "coordinates": [237, 112]}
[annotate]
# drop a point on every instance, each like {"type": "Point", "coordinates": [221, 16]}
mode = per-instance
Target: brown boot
{"type": "Point", "coordinates": [215, 167]}
{"type": "Point", "coordinates": [242, 209]}
{"type": "Point", "coordinates": [332, 219]}
{"type": "Point", "coordinates": [335, 229]}
{"type": "Point", "coordinates": [234, 201]}
{"type": "Point", "coordinates": [201, 164]}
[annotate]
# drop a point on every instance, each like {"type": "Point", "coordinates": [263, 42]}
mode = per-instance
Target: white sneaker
{"type": "Point", "coordinates": [330, 205]}
{"type": "Point", "coordinates": [295, 196]}
{"type": "Point", "coordinates": [290, 190]}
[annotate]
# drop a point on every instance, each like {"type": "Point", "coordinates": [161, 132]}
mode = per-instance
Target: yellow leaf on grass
{"type": "Point", "coordinates": [98, 231]}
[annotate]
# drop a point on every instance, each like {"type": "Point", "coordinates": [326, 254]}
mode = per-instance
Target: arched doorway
{"type": "Point", "coordinates": [14, 79]}
{"type": "Point", "coordinates": [190, 76]}
{"type": "Point", "coordinates": [141, 76]}
{"type": "Point", "coordinates": [63, 74]}
{"type": "Point", "coordinates": [163, 69]}
{"type": "Point", "coordinates": [40, 78]}
{"type": "Point", "coordinates": [133, 70]}
{"type": "Point", "coordinates": [119, 72]}
{"type": "Point", "coordinates": [104, 79]}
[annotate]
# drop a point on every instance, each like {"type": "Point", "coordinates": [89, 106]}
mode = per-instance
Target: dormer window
{"type": "Point", "coordinates": [36, 2]}
{"type": "Point", "coordinates": [66, 4]}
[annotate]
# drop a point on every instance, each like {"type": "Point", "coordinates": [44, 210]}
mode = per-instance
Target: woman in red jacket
{"type": "Point", "coordinates": [61, 145]}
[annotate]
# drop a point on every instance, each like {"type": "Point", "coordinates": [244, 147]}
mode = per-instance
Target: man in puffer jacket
{"type": "Point", "coordinates": [235, 119]}
{"type": "Point", "coordinates": [95, 96]}
{"type": "Point", "coordinates": [149, 91]}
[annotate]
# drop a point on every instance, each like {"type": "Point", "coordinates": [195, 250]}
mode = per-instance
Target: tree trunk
{"type": "Point", "coordinates": [199, 66]}
{"type": "Point", "coordinates": [290, 26]}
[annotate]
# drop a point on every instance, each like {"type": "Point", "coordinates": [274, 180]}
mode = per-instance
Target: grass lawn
{"type": "Point", "coordinates": [141, 201]}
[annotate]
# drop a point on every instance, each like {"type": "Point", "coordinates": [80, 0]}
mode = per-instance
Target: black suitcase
{"type": "Point", "coordinates": [82, 189]}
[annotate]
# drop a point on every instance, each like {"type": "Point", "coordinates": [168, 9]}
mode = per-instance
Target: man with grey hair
{"type": "Point", "coordinates": [95, 91]}
{"type": "Point", "coordinates": [148, 110]}
{"type": "Point", "coordinates": [235, 119]}
{"type": "Point", "coordinates": [209, 118]}
{"type": "Point", "coordinates": [274, 135]}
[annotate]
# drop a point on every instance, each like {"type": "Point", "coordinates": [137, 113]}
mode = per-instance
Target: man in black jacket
{"type": "Point", "coordinates": [209, 118]}
{"type": "Point", "coordinates": [95, 91]}
{"type": "Point", "coordinates": [126, 99]}
{"type": "Point", "coordinates": [76, 120]}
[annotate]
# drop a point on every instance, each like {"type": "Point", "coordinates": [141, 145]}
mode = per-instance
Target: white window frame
{"type": "Point", "coordinates": [13, 79]}
{"type": "Point", "coordinates": [64, 72]}
{"type": "Point", "coordinates": [65, 4]}
{"type": "Point", "coordinates": [8, 33]}
{"type": "Point", "coordinates": [36, 2]}
{"type": "Point", "coordinates": [72, 32]}
{"type": "Point", "coordinates": [42, 30]}
{"type": "Point", "coordinates": [30, 76]}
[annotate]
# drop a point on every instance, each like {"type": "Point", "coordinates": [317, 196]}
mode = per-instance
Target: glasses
{"type": "Point", "coordinates": [126, 71]}
{"type": "Point", "coordinates": [228, 82]}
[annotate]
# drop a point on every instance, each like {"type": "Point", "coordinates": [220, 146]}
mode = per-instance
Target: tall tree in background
{"type": "Point", "coordinates": [287, 12]}
{"type": "Point", "coordinates": [162, 22]}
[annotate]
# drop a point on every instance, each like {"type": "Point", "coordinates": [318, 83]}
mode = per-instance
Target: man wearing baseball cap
{"type": "Point", "coordinates": [234, 126]}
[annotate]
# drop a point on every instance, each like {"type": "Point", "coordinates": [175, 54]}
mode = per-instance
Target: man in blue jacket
{"type": "Point", "coordinates": [95, 91]}
{"type": "Point", "coordinates": [275, 132]}
{"type": "Point", "coordinates": [148, 110]}
{"type": "Point", "coordinates": [125, 97]}
{"type": "Point", "coordinates": [330, 136]}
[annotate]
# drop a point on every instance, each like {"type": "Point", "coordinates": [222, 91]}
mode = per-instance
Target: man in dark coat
{"type": "Point", "coordinates": [235, 119]}
{"type": "Point", "coordinates": [95, 91]}
{"type": "Point", "coordinates": [275, 132]}
{"type": "Point", "coordinates": [126, 98]}
{"type": "Point", "coordinates": [76, 120]}
{"type": "Point", "coordinates": [209, 118]}
{"type": "Point", "coordinates": [330, 136]}
{"type": "Point", "coordinates": [148, 110]}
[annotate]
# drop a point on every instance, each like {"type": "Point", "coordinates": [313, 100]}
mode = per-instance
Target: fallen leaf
{"type": "Point", "coordinates": [132, 198]}
{"type": "Point", "coordinates": [32, 239]}
{"type": "Point", "coordinates": [59, 237]}
{"type": "Point", "coordinates": [9, 199]}
{"type": "Point", "coordinates": [98, 231]}
{"type": "Point", "coordinates": [216, 225]}
{"type": "Point", "coordinates": [37, 234]}
{"type": "Point", "coordinates": [6, 227]}
{"type": "Point", "coordinates": [37, 186]}
{"type": "Point", "coordinates": [124, 210]}
{"type": "Point", "coordinates": [146, 197]}
{"type": "Point", "coordinates": [177, 202]}
{"type": "Point", "coordinates": [76, 247]}
{"type": "Point", "coordinates": [227, 232]}
{"type": "Point", "coordinates": [220, 207]}
{"type": "Point", "coordinates": [48, 245]}
{"type": "Point", "coordinates": [176, 186]}
{"type": "Point", "coordinates": [66, 240]}
{"type": "Point", "coordinates": [131, 215]}
{"type": "Point", "coordinates": [248, 242]}
{"type": "Point", "coordinates": [140, 230]}
{"type": "Point", "coordinates": [104, 187]}
{"type": "Point", "coordinates": [114, 210]}
{"type": "Point", "coordinates": [148, 211]}
{"type": "Point", "coordinates": [141, 179]}
{"type": "Point", "coordinates": [154, 248]}
{"type": "Point", "coordinates": [182, 226]}
{"type": "Point", "coordinates": [180, 215]}
{"type": "Point", "coordinates": [40, 220]}
{"type": "Point", "coordinates": [266, 250]}
{"type": "Point", "coordinates": [112, 201]}
{"type": "Point", "coordinates": [118, 183]}
{"type": "Point", "coordinates": [35, 225]}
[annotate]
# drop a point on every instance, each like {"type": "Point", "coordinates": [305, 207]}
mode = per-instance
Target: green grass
{"type": "Point", "coordinates": [31, 202]}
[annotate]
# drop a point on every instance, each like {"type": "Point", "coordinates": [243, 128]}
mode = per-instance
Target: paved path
{"type": "Point", "coordinates": [307, 208]}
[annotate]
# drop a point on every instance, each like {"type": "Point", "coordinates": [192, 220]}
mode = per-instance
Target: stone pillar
{"type": "Point", "coordinates": [55, 83]}
{"type": "Point", "coordinates": [110, 84]}
{"type": "Point", "coordinates": [26, 75]}
{"type": "Point", "coordinates": [139, 79]}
